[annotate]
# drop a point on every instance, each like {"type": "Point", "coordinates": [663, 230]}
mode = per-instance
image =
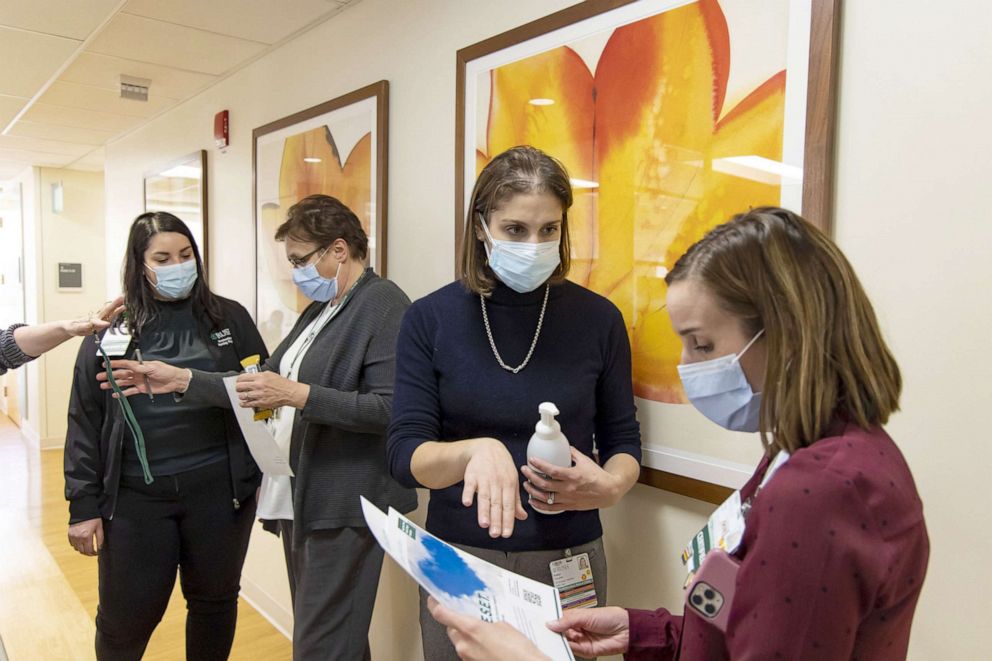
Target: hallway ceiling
{"type": "Point", "coordinates": [61, 63]}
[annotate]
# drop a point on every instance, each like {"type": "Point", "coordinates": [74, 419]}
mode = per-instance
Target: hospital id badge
{"type": "Point", "coordinates": [115, 342]}
{"type": "Point", "coordinates": [572, 577]}
{"type": "Point", "coordinates": [724, 530]}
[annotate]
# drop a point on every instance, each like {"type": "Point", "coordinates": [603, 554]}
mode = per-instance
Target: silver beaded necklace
{"type": "Point", "coordinates": [537, 333]}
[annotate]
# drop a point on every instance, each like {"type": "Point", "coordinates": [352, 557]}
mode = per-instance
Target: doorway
{"type": "Point", "coordinates": [13, 384]}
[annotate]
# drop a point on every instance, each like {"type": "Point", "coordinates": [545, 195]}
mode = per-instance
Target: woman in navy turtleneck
{"type": "Point", "coordinates": [476, 358]}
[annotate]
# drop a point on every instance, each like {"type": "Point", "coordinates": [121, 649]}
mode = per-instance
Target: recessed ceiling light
{"type": "Point", "coordinates": [542, 102]}
{"type": "Point", "coordinates": [583, 183]}
{"type": "Point", "coordinates": [311, 159]}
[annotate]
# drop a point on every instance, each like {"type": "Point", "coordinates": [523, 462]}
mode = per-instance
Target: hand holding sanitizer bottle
{"type": "Point", "coordinates": [548, 444]}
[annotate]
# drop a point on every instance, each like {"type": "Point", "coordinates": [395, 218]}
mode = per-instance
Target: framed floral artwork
{"type": "Point", "coordinates": [337, 148]}
{"type": "Point", "coordinates": [670, 116]}
{"type": "Point", "coordinates": [180, 188]}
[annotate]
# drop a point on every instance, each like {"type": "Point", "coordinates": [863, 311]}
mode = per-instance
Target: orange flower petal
{"type": "Point", "coordinates": [650, 116]}
{"type": "Point", "coordinates": [299, 178]}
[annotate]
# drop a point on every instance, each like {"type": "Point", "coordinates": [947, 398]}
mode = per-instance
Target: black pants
{"type": "Point", "coordinates": [185, 521]}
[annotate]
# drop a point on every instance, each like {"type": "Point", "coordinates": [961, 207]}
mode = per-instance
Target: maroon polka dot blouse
{"type": "Point", "coordinates": [832, 562]}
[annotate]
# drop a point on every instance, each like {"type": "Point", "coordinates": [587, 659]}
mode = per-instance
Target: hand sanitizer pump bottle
{"type": "Point", "coordinates": [548, 443]}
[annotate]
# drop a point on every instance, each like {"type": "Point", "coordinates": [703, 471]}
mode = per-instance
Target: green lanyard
{"type": "Point", "coordinates": [132, 422]}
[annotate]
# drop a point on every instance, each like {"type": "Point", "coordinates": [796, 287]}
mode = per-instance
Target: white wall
{"type": "Point", "coordinates": [911, 194]}
{"type": "Point", "coordinates": [32, 421]}
{"type": "Point", "coordinates": [11, 286]}
{"type": "Point", "coordinates": [77, 234]}
{"type": "Point", "coordinates": [913, 204]}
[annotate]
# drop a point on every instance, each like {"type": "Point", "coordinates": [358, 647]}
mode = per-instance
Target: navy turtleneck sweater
{"type": "Point", "coordinates": [449, 387]}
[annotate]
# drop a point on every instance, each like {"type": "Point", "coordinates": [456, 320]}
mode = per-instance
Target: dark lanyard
{"type": "Point", "coordinates": [129, 418]}
{"type": "Point", "coordinates": [316, 330]}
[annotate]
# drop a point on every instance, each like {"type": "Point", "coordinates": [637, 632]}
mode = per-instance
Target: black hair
{"type": "Point", "coordinates": [139, 295]}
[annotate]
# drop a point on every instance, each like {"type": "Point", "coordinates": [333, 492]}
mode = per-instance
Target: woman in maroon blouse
{"type": "Point", "coordinates": [779, 337]}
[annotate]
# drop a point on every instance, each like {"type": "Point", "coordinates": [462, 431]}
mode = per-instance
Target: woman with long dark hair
{"type": "Point", "coordinates": [177, 491]}
{"type": "Point", "coordinates": [330, 383]}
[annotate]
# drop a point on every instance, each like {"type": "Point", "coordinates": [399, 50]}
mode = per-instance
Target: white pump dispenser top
{"type": "Point", "coordinates": [547, 428]}
{"type": "Point", "coordinates": [548, 443]}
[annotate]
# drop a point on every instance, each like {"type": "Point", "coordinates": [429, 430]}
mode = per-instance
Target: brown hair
{"type": "Point", "coordinates": [518, 170]}
{"type": "Point", "coordinates": [323, 219]}
{"type": "Point", "coordinates": [826, 356]}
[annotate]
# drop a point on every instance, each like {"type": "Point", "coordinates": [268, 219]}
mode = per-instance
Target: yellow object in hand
{"type": "Point", "coordinates": [251, 365]}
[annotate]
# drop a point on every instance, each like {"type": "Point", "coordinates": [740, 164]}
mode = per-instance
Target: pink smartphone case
{"type": "Point", "coordinates": [712, 591]}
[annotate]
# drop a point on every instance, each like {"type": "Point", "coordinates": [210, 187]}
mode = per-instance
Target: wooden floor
{"type": "Point", "coordinates": [48, 592]}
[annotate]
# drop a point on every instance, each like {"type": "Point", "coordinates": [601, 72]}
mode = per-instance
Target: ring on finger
{"type": "Point", "coordinates": [551, 498]}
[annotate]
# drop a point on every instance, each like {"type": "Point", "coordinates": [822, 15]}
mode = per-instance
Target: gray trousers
{"type": "Point", "coordinates": [532, 564]}
{"type": "Point", "coordinates": [333, 578]}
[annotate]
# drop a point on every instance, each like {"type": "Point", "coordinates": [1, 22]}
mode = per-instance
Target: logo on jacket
{"type": "Point", "coordinates": [222, 337]}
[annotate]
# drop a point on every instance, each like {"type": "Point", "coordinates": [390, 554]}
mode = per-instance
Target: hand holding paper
{"type": "Point", "coordinates": [476, 640]}
{"type": "Point", "coordinates": [272, 459]}
{"type": "Point", "coordinates": [470, 587]}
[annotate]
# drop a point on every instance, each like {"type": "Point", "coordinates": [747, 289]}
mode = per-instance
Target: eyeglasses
{"type": "Point", "coordinates": [300, 262]}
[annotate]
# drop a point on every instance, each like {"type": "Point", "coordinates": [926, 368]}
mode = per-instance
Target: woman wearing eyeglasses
{"type": "Point", "coordinates": [330, 382]}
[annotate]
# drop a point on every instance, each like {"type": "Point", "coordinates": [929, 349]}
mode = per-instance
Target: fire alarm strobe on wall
{"type": "Point", "coordinates": [221, 135]}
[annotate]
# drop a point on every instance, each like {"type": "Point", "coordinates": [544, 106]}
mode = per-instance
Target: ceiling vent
{"type": "Point", "coordinates": [134, 88]}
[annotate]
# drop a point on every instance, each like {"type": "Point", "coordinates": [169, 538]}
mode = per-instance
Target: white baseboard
{"type": "Point", "coordinates": [269, 607]}
{"type": "Point", "coordinates": [30, 434]}
{"type": "Point", "coordinates": [53, 443]}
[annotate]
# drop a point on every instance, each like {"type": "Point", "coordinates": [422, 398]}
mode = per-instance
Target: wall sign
{"type": "Point", "coordinates": [70, 276]}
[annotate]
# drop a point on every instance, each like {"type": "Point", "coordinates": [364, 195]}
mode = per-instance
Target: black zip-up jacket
{"type": "Point", "coordinates": [97, 431]}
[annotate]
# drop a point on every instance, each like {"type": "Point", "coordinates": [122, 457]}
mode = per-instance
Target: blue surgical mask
{"type": "Point", "coordinates": [175, 281]}
{"type": "Point", "coordinates": [719, 390]}
{"type": "Point", "coordinates": [520, 265]}
{"type": "Point", "coordinates": [313, 285]}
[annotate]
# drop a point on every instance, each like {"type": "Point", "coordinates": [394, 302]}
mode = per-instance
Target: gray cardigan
{"type": "Point", "coordinates": [11, 355]}
{"type": "Point", "coordinates": [338, 444]}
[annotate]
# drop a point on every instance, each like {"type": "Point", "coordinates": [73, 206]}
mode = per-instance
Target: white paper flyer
{"type": "Point", "coordinates": [468, 585]}
{"type": "Point", "coordinates": [263, 447]}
